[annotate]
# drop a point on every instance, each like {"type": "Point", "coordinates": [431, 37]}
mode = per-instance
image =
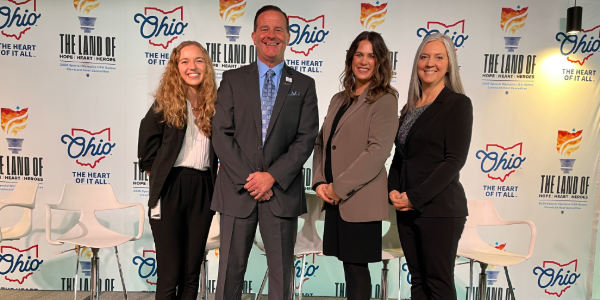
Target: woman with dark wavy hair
{"type": "Point", "coordinates": [349, 160]}
{"type": "Point", "coordinates": [175, 149]}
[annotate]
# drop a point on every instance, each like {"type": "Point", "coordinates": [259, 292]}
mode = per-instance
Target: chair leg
{"type": "Point", "coordinates": [121, 273]}
{"type": "Point", "coordinates": [482, 281]}
{"type": "Point", "coordinates": [262, 286]}
{"type": "Point", "coordinates": [471, 294]}
{"type": "Point", "coordinates": [203, 277]}
{"type": "Point", "coordinates": [301, 278]}
{"type": "Point", "coordinates": [293, 280]}
{"type": "Point", "coordinates": [510, 288]}
{"type": "Point", "coordinates": [94, 277]}
{"type": "Point", "coordinates": [77, 253]}
{"type": "Point", "coordinates": [384, 280]}
{"type": "Point", "coordinates": [400, 278]}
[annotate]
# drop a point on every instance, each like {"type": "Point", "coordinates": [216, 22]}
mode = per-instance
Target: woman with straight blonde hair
{"type": "Point", "coordinates": [431, 148]}
{"type": "Point", "coordinates": [175, 149]}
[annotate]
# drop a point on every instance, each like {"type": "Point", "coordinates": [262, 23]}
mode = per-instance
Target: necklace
{"type": "Point", "coordinates": [196, 108]}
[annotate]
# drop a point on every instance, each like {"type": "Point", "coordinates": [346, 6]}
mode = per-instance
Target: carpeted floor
{"type": "Point", "coordinates": [62, 295]}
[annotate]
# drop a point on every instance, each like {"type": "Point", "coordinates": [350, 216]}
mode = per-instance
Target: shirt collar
{"type": "Point", "coordinates": [263, 68]}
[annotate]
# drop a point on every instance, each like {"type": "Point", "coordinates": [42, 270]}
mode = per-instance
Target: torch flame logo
{"type": "Point", "coordinates": [372, 16]}
{"type": "Point", "coordinates": [14, 121]}
{"type": "Point", "coordinates": [567, 142]}
{"type": "Point", "coordinates": [85, 6]}
{"type": "Point", "coordinates": [513, 19]}
{"type": "Point", "coordinates": [231, 10]}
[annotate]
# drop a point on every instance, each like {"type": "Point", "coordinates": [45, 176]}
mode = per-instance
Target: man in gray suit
{"type": "Point", "coordinates": [264, 130]}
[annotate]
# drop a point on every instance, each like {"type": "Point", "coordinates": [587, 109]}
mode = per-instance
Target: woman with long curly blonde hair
{"type": "Point", "coordinates": [175, 149]}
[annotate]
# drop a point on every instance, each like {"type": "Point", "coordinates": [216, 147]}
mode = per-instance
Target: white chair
{"type": "Point", "coordinates": [88, 232]}
{"type": "Point", "coordinates": [213, 242]}
{"type": "Point", "coordinates": [307, 241]}
{"type": "Point", "coordinates": [22, 196]}
{"type": "Point", "coordinates": [471, 246]}
{"type": "Point", "coordinates": [390, 249]}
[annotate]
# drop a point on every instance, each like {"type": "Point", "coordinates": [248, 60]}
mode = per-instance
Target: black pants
{"type": "Point", "coordinates": [430, 246]}
{"type": "Point", "coordinates": [180, 234]}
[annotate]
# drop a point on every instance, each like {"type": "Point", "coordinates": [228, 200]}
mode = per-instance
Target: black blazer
{"type": "Point", "coordinates": [237, 138]}
{"type": "Point", "coordinates": [436, 149]}
{"type": "Point", "coordinates": [158, 148]}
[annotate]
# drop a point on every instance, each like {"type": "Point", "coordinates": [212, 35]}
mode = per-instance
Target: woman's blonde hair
{"type": "Point", "coordinates": [171, 93]}
{"type": "Point", "coordinates": [451, 79]}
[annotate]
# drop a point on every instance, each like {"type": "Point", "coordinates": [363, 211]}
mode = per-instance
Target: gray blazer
{"type": "Point", "coordinates": [362, 142]}
{"type": "Point", "coordinates": [289, 142]}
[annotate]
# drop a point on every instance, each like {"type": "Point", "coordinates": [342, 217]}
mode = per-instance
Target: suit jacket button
{"type": "Point", "coordinates": [333, 147]}
{"type": "Point", "coordinates": [259, 147]}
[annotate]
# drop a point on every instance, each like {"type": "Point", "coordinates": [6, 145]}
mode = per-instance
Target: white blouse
{"type": "Point", "coordinates": [195, 149]}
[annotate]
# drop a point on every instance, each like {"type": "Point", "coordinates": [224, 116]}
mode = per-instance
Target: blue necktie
{"type": "Point", "coordinates": [267, 101]}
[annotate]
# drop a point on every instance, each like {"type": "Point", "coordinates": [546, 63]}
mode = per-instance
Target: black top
{"type": "Point", "coordinates": [336, 120]}
{"type": "Point", "coordinates": [436, 148]}
{"type": "Point", "coordinates": [158, 148]}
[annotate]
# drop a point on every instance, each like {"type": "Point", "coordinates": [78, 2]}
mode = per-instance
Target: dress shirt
{"type": "Point", "coordinates": [262, 74]}
{"type": "Point", "coordinates": [195, 149]}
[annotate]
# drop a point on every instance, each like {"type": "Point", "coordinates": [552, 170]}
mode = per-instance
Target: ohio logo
{"type": "Point", "coordinates": [499, 162]}
{"type": "Point", "coordinates": [556, 278]}
{"type": "Point", "coordinates": [372, 16]}
{"type": "Point", "coordinates": [405, 269]}
{"type": "Point", "coordinates": [512, 20]}
{"type": "Point", "coordinates": [587, 44]}
{"type": "Point", "coordinates": [309, 270]}
{"type": "Point", "coordinates": [305, 35]}
{"type": "Point", "coordinates": [231, 10]}
{"type": "Point", "coordinates": [156, 27]}
{"type": "Point", "coordinates": [456, 31]}
{"type": "Point", "coordinates": [566, 144]}
{"type": "Point", "coordinates": [18, 17]}
{"type": "Point", "coordinates": [86, 147]}
{"type": "Point", "coordinates": [13, 121]}
{"type": "Point", "coordinates": [146, 266]}
{"type": "Point", "coordinates": [85, 7]}
{"type": "Point", "coordinates": [17, 265]}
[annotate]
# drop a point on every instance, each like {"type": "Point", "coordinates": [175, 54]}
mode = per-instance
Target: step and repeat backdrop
{"type": "Point", "coordinates": [77, 76]}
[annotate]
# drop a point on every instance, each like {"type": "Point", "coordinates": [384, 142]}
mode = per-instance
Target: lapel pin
{"type": "Point", "coordinates": [288, 79]}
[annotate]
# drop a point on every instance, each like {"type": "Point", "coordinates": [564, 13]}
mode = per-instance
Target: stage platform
{"type": "Point", "coordinates": [64, 295]}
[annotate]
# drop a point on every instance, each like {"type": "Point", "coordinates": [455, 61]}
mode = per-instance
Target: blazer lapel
{"type": "Point", "coordinates": [253, 89]}
{"type": "Point", "coordinates": [282, 91]}
{"type": "Point", "coordinates": [328, 122]}
{"type": "Point", "coordinates": [362, 99]}
{"type": "Point", "coordinates": [429, 112]}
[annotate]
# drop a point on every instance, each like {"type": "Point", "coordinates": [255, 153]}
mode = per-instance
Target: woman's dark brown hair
{"type": "Point", "coordinates": [382, 75]}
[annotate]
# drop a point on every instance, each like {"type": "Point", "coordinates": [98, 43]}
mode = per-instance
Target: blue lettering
{"type": "Point", "coordinates": [175, 28]}
{"type": "Point", "coordinates": [79, 143]}
{"type": "Point", "coordinates": [151, 262]}
{"type": "Point", "coordinates": [490, 162]}
{"type": "Point", "coordinates": [405, 269]}
{"type": "Point", "coordinates": [458, 40]}
{"type": "Point", "coordinates": [18, 265]}
{"type": "Point", "coordinates": [547, 277]}
{"type": "Point", "coordinates": [16, 18]}
{"type": "Point", "coordinates": [310, 270]}
{"type": "Point", "coordinates": [570, 44]}
{"type": "Point", "coordinates": [308, 36]}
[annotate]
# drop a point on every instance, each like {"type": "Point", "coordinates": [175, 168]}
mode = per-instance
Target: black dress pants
{"type": "Point", "coordinates": [430, 246]}
{"type": "Point", "coordinates": [180, 234]}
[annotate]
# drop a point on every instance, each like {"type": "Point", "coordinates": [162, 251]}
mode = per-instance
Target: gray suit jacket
{"type": "Point", "coordinates": [362, 142]}
{"type": "Point", "coordinates": [237, 140]}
